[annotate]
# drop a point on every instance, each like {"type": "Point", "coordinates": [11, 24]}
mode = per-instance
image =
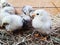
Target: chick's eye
{"type": "Point", "coordinates": [37, 14]}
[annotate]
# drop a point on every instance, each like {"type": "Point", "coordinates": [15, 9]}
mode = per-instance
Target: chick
{"type": "Point", "coordinates": [26, 17]}
{"type": "Point", "coordinates": [4, 3]}
{"type": "Point", "coordinates": [12, 22]}
{"type": "Point", "coordinates": [2, 15]}
{"type": "Point", "coordinates": [27, 9]}
{"type": "Point", "coordinates": [10, 10]}
{"type": "Point", "coordinates": [6, 11]}
{"type": "Point", "coordinates": [27, 21]}
{"type": "Point", "coordinates": [42, 21]}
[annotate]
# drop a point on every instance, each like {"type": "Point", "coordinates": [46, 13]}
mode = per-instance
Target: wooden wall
{"type": "Point", "coordinates": [52, 6]}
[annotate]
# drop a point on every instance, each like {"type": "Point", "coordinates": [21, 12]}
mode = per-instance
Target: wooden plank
{"type": "Point", "coordinates": [56, 2]}
{"type": "Point", "coordinates": [34, 3]}
{"type": "Point", "coordinates": [37, 4]}
{"type": "Point", "coordinates": [50, 10]}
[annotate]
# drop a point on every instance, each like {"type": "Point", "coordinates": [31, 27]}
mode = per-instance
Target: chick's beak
{"type": "Point", "coordinates": [33, 15]}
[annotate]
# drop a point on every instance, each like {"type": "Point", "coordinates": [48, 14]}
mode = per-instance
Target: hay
{"type": "Point", "coordinates": [27, 38]}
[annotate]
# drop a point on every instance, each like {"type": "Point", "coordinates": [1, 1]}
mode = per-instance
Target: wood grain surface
{"type": "Point", "coordinates": [52, 6]}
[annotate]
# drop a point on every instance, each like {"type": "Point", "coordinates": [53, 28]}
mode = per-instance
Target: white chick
{"type": "Point", "coordinates": [12, 22]}
{"type": "Point", "coordinates": [6, 11]}
{"type": "Point", "coordinates": [10, 10]}
{"type": "Point", "coordinates": [4, 3]}
{"type": "Point", "coordinates": [27, 9]}
{"type": "Point", "coordinates": [41, 21]}
{"type": "Point", "coordinates": [2, 15]}
{"type": "Point", "coordinates": [26, 17]}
